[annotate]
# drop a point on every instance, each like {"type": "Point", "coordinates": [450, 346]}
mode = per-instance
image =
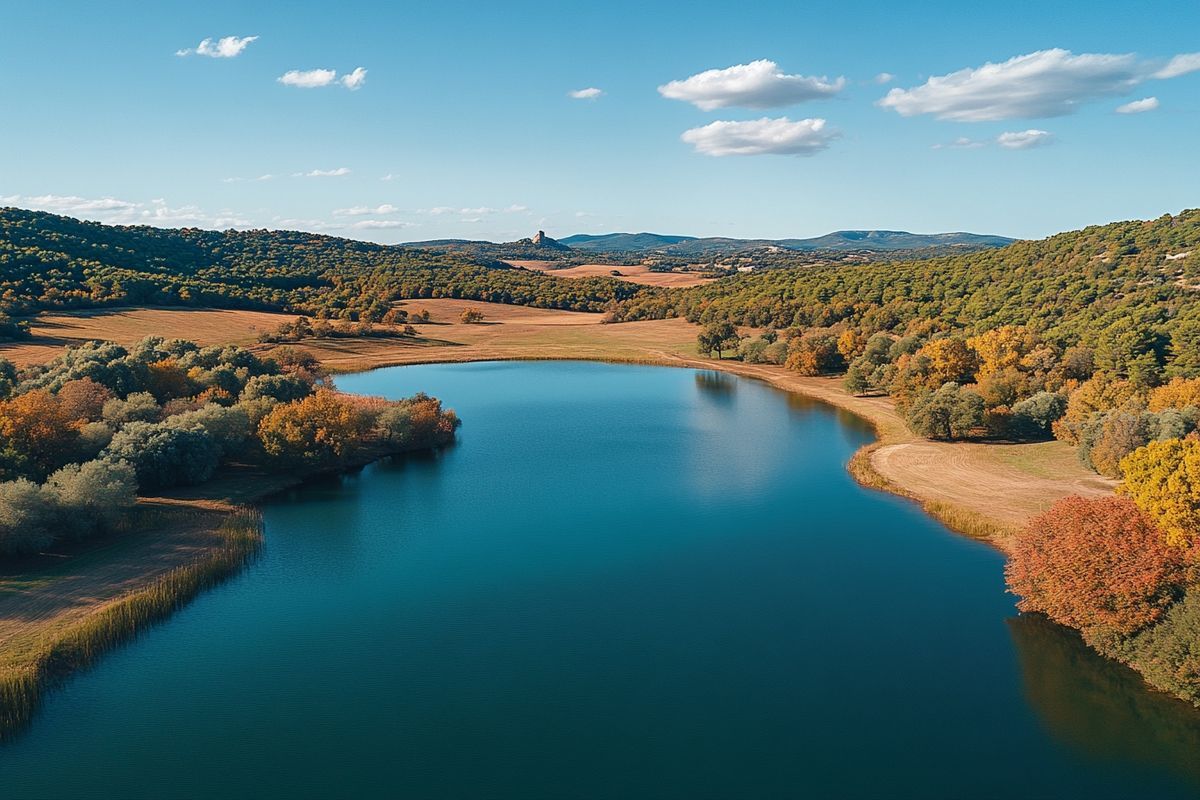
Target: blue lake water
{"type": "Point", "coordinates": [621, 582]}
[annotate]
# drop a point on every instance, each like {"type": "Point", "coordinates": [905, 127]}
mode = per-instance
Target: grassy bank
{"type": "Point", "coordinates": [29, 667]}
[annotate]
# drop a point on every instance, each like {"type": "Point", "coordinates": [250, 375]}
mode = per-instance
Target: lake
{"type": "Point", "coordinates": [621, 582]}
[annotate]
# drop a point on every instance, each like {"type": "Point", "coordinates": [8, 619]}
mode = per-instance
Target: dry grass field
{"type": "Point", "coordinates": [634, 274]}
{"type": "Point", "coordinates": [509, 332]}
{"type": "Point", "coordinates": [53, 332]}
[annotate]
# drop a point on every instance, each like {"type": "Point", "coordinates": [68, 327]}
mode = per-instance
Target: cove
{"type": "Point", "coordinates": [621, 582]}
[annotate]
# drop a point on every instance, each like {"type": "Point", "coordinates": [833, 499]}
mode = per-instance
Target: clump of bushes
{"type": "Point", "coordinates": [81, 435]}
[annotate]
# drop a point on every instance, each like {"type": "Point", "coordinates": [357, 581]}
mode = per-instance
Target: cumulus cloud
{"type": "Point", "coordinates": [1139, 106]}
{"type": "Point", "coordinates": [961, 143]}
{"type": "Point", "coordinates": [380, 224]}
{"type": "Point", "coordinates": [1023, 140]}
{"type": "Point", "coordinates": [1180, 65]}
{"type": "Point", "coordinates": [759, 84]}
{"type": "Point", "coordinates": [355, 79]}
{"type": "Point", "coordinates": [590, 93]}
{"type": "Point", "coordinates": [114, 211]}
{"type": "Point", "coordinates": [225, 47]}
{"type": "Point", "coordinates": [322, 173]}
{"type": "Point", "coordinates": [884, 77]}
{"type": "Point", "coordinates": [317, 78]}
{"type": "Point", "coordinates": [780, 136]}
{"type": "Point", "coordinates": [1048, 83]}
{"type": "Point", "coordinates": [362, 211]}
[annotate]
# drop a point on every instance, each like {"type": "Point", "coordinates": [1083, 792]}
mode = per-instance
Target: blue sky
{"type": "Point", "coordinates": [462, 124]}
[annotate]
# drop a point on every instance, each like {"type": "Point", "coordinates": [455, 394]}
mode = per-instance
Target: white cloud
{"type": "Point", "coordinates": [1139, 106]}
{"type": "Point", "coordinates": [884, 77]}
{"type": "Point", "coordinates": [759, 84]}
{"type": "Point", "coordinates": [323, 173]}
{"type": "Point", "coordinates": [779, 136]}
{"type": "Point", "coordinates": [317, 78]}
{"type": "Point", "coordinates": [308, 79]}
{"type": "Point", "coordinates": [362, 211]}
{"type": "Point", "coordinates": [590, 93]}
{"type": "Point", "coordinates": [113, 211]}
{"type": "Point", "coordinates": [1023, 140]}
{"type": "Point", "coordinates": [389, 177]}
{"type": "Point", "coordinates": [380, 224]}
{"type": "Point", "coordinates": [516, 209]}
{"type": "Point", "coordinates": [437, 211]}
{"type": "Point", "coordinates": [961, 143]}
{"type": "Point", "coordinates": [355, 79]}
{"type": "Point", "coordinates": [1048, 83]}
{"type": "Point", "coordinates": [1181, 64]}
{"type": "Point", "coordinates": [225, 47]}
{"type": "Point", "coordinates": [480, 211]}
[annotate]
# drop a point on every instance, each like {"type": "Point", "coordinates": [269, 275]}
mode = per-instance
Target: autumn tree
{"type": "Point", "coordinates": [1000, 348]}
{"type": "Point", "coordinates": [950, 360]}
{"type": "Point", "coordinates": [83, 399]}
{"type": "Point", "coordinates": [37, 432]}
{"type": "Point", "coordinates": [851, 344]}
{"type": "Point", "coordinates": [471, 316]}
{"type": "Point", "coordinates": [1163, 479]}
{"type": "Point", "coordinates": [1101, 392]}
{"type": "Point", "coordinates": [1178, 393]}
{"type": "Point", "coordinates": [1098, 565]}
{"type": "Point", "coordinates": [323, 428]}
{"type": "Point", "coordinates": [814, 353]}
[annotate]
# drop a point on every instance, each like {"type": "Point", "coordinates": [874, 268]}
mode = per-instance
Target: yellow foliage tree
{"type": "Point", "coordinates": [851, 344]}
{"type": "Point", "coordinates": [1163, 479]}
{"type": "Point", "coordinates": [1179, 393]}
{"type": "Point", "coordinates": [1001, 348]}
{"type": "Point", "coordinates": [950, 361]}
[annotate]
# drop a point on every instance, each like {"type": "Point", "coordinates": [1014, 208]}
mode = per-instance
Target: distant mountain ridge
{"type": "Point", "coordinates": [875, 240]}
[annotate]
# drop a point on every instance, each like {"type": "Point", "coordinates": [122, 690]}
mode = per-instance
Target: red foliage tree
{"type": "Point", "coordinates": [1096, 565]}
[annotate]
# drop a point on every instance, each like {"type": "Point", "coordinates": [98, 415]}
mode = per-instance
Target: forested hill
{"type": "Point", "coordinates": [49, 261]}
{"type": "Point", "coordinates": [1134, 286]}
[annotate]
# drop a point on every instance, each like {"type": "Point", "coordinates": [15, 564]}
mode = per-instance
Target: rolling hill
{"type": "Point", "coordinates": [838, 241]}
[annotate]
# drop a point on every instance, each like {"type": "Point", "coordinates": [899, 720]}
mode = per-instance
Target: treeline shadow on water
{"type": "Point", "coordinates": [1100, 707]}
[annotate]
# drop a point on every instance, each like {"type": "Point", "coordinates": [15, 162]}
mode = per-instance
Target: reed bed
{"type": "Point", "coordinates": [77, 645]}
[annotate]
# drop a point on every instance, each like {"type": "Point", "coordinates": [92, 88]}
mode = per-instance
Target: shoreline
{"type": "Point", "coordinates": [245, 488]}
{"type": "Point", "coordinates": [876, 411]}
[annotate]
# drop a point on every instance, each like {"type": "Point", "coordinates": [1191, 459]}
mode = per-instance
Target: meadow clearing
{"type": "Point", "coordinates": [635, 273]}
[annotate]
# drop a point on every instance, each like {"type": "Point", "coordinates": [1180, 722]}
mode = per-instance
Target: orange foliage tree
{"type": "Point", "coordinates": [1179, 393]}
{"type": "Point", "coordinates": [36, 429]}
{"type": "Point", "coordinates": [1098, 565]}
{"type": "Point", "coordinates": [323, 428]}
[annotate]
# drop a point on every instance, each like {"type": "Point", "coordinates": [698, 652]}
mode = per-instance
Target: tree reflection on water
{"type": "Point", "coordinates": [1100, 707]}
